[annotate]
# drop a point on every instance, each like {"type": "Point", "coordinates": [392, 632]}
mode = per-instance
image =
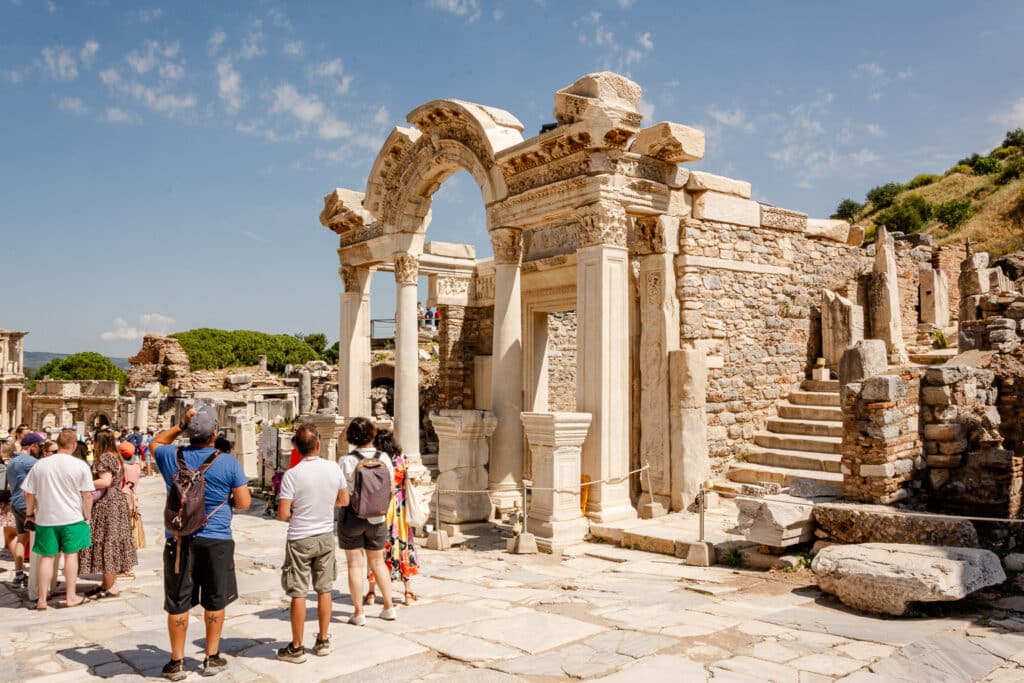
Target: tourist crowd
{"type": "Point", "coordinates": [75, 498]}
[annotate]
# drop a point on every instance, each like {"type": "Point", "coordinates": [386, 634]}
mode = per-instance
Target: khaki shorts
{"type": "Point", "coordinates": [306, 556]}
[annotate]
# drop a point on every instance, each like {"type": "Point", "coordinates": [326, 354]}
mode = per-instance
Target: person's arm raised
{"type": "Point", "coordinates": [168, 436]}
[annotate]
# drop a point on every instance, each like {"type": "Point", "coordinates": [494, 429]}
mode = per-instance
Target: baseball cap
{"type": "Point", "coordinates": [31, 439]}
{"type": "Point", "coordinates": [127, 449]}
{"type": "Point", "coordinates": [203, 423]}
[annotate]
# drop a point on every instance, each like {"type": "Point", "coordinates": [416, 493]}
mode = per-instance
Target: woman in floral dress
{"type": "Point", "coordinates": [112, 551]}
{"type": "Point", "coordinates": [400, 549]}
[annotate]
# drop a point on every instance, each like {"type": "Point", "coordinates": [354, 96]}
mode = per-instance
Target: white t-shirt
{"type": "Point", "coordinates": [348, 464]}
{"type": "Point", "coordinates": [58, 481]}
{"type": "Point", "coordinates": [312, 486]}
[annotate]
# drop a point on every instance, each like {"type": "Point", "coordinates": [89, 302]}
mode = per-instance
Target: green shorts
{"type": "Point", "coordinates": [67, 538]}
{"type": "Point", "coordinates": [309, 559]}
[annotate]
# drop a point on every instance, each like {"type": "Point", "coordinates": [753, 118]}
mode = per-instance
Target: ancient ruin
{"type": "Point", "coordinates": [12, 378]}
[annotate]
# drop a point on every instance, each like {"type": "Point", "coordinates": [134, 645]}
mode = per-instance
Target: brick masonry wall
{"type": "Point", "coordinates": [948, 258]}
{"type": "Point", "coordinates": [562, 362]}
{"type": "Point", "coordinates": [465, 332]}
{"type": "Point", "coordinates": [763, 325]}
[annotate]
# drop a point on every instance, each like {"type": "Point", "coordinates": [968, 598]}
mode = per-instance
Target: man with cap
{"type": "Point", "coordinates": [25, 456]}
{"type": "Point", "coordinates": [206, 563]}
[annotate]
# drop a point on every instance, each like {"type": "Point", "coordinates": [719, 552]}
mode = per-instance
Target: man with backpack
{"type": "Point", "coordinates": [310, 492]}
{"type": "Point", "coordinates": [203, 485]}
{"type": "Point", "coordinates": [362, 527]}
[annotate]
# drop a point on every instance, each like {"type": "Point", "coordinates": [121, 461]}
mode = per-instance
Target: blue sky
{"type": "Point", "coordinates": [162, 165]}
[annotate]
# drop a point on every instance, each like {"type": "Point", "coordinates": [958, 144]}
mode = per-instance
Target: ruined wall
{"type": "Point", "coordinates": [908, 272]}
{"type": "Point", "coordinates": [947, 258]}
{"type": "Point", "coordinates": [465, 332]}
{"type": "Point", "coordinates": [562, 362]}
{"type": "Point", "coordinates": [753, 294]}
{"type": "Point", "coordinates": [999, 327]}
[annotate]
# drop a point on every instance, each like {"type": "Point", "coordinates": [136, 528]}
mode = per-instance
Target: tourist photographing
{"type": "Point", "coordinates": [58, 506]}
{"type": "Point", "coordinates": [310, 492]}
{"type": "Point", "coordinates": [199, 569]}
{"type": "Point", "coordinates": [112, 551]}
{"type": "Point", "coordinates": [362, 524]}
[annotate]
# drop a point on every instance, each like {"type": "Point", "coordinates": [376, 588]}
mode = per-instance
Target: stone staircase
{"type": "Point", "coordinates": [803, 441]}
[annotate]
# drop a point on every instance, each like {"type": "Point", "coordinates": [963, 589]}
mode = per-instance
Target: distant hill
{"type": "Point", "coordinates": [981, 198]}
{"type": "Point", "coordinates": [37, 359]}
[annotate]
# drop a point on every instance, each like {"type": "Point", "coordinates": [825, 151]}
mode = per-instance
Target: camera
{"type": "Point", "coordinates": [29, 525]}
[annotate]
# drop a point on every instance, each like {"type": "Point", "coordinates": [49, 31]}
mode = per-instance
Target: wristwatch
{"type": "Point", "coordinates": [182, 426]}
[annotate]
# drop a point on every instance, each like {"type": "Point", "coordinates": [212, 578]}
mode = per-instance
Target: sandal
{"type": "Point", "coordinates": [410, 597]}
{"type": "Point", "coordinates": [370, 599]}
{"type": "Point", "coordinates": [93, 592]}
{"type": "Point", "coordinates": [101, 594]}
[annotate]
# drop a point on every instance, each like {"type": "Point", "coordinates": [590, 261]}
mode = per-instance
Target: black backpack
{"type": "Point", "coordinates": [371, 487]}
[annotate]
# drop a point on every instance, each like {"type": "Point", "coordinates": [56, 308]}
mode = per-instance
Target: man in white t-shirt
{"type": "Point", "coordinates": [58, 501]}
{"type": "Point", "coordinates": [310, 492]}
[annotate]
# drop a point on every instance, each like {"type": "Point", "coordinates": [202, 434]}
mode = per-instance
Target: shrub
{"type": "Point", "coordinates": [900, 218]}
{"type": "Point", "coordinates": [1014, 138]}
{"type": "Point", "coordinates": [919, 204]}
{"type": "Point", "coordinates": [921, 181]}
{"type": "Point", "coordinates": [884, 195]}
{"type": "Point", "coordinates": [82, 366]}
{"type": "Point", "coordinates": [1001, 152]}
{"type": "Point", "coordinates": [210, 349]}
{"type": "Point", "coordinates": [961, 168]}
{"type": "Point", "coordinates": [1013, 169]}
{"type": "Point", "coordinates": [848, 210]}
{"type": "Point", "coordinates": [954, 212]}
{"type": "Point", "coordinates": [985, 165]}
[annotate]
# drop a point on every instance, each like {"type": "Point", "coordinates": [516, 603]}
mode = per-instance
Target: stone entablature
{"type": "Point", "coordinates": [12, 378]}
{"type": "Point", "coordinates": [64, 403]}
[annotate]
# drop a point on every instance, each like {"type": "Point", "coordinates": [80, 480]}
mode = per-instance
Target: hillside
{"type": "Point", "coordinates": [37, 359]}
{"type": "Point", "coordinates": [981, 198]}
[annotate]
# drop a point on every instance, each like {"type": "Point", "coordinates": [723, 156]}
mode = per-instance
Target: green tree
{"type": "Point", "coordinates": [1013, 169]}
{"type": "Point", "coordinates": [954, 213]}
{"type": "Point", "coordinates": [884, 195]}
{"type": "Point", "coordinates": [330, 354]}
{"type": "Point", "coordinates": [900, 218]}
{"type": "Point", "coordinates": [211, 349]}
{"type": "Point", "coordinates": [848, 210]}
{"type": "Point", "coordinates": [82, 366]}
{"type": "Point", "coordinates": [1014, 138]}
{"type": "Point", "coordinates": [920, 205]}
{"type": "Point", "coordinates": [316, 341]}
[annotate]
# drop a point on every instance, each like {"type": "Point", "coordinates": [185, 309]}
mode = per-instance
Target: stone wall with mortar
{"type": "Point", "coordinates": [999, 327]}
{"type": "Point", "coordinates": [752, 295]}
{"type": "Point", "coordinates": [562, 362]}
{"type": "Point", "coordinates": [882, 455]}
{"type": "Point", "coordinates": [465, 332]}
{"type": "Point", "coordinates": [948, 258]}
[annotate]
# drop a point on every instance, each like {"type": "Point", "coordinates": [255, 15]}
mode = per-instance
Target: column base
{"type": "Point", "coordinates": [603, 514]}
{"type": "Point", "coordinates": [657, 507]}
{"type": "Point", "coordinates": [504, 500]}
{"type": "Point", "coordinates": [555, 536]}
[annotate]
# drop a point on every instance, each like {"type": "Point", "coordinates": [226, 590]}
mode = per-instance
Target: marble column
{"type": "Point", "coordinates": [602, 370]}
{"type": "Point", "coordinates": [506, 467]}
{"type": "Point", "coordinates": [555, 440]}
{"type": "Point", "coordinates": [691, 467]}
{"type": "Point", "coordinates": [142, 408]}
{"type": "Point", "coordinates": [407, 391]}
{"type": "Point", "coordinates": [5, 416]}
{"type": "Point", "coordinates": [354, 345]}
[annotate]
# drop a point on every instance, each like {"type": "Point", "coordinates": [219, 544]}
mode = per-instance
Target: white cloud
{"type": "Point", "coordinates": [875, 130]}
{"type": "Point", "coordinates": [293, 48]}
{"type": "Point", "coordinates": [590, 30]}
{"type": "Point", "coordinates": [287, 99]}
{"type": "Point", "coordinates": [59, 64]}
{"type": "Point", "coordinates": [645, 41]}
{"type": "Point", "coordinates": [332, 70]}
{"type": "Point", "coordinates": [215, 41]}
{"type": "Point", "coordinates": [868, 70]}
{"type": "Point", "coordinates": [864, 157]}
{"type": "Point", "coordinates": [229, 86]}
{"type": "Point", "coordinates": [156, 56]}
{"type": "Point", "coordinates": [252, 44]}
{"type": "Point", "coordinates": [498, 14]}
{"type": "Point", "coordinates": [732, 118]}
{"type": "Point", "coordinates": [154, 97]}
{"type": "Point", "coordinates": [647, 111]}
{"type": "Point", "coordinates": [150, 14]}
{"type": "Point", "coordinates": [118, 115]}
{"type": "Point", "coordinates": [625, 4]}
{"type": "Point", "coordinates": [72, 105]}
{"type": "Point", "coordinates": [148, 323]}
{"type": "Point", "coordinates": [1012, 117]}
{"type": "Point", "coordinates": [382, 117]}
{"type": "Point", "coordinates": [51, 7]}
{"type": "Point", "coordinates": [470, 9]}
{"type": "Point", "coordinates": [905, 74]}
{"type": "Point", "coordinates": [253, 236]}
{"type": "Point", "coordinates": [153, 62]}
{"type": "Point", "coordinates": [88, 52]}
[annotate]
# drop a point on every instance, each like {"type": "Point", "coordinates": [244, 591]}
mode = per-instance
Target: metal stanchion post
{"type": "Point", "coordinates": [700, 508]}
{"type": "Point", "coordinates": [525, 543]}
{"type": "Point", "coordinates": [438, 538]}
{"type": "Point", "coordinates": [526, 512]}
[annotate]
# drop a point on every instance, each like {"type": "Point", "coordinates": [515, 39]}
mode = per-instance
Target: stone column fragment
{"type": "Point", "coordinates": [462, 459]}
{"type": "Point", "coordinates": [885, 299]}
{"type": "Point", "coordinates": [691, 467]}
{"type": "Point", "coordinates": [354, 344]}
{"type": "Point", "coordinates": [555, 440]}
{"type": "Point", "coordinates": [842, 326]}
{"type": "Point", "coordinates": [934, 297]}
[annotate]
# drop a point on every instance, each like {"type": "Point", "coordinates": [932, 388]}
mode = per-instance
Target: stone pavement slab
{"type": "Point", "coordinates": [532, 632]}
{"type": "Point", "coordinates": [854, 626]}
{"type": "Point", "coordinates": [659, 668]}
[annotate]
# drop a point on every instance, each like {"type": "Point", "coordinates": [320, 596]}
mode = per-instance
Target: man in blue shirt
{"type": "Point", "coordinates": [17, 470]}
{"type": "Point", "coordinates": [205, 562]}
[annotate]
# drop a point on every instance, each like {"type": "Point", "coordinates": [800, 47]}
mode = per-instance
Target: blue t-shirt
{"type": "Point", "coordinates": [224, 474]}
{"type": "Point", "coordinates": [17, 470]}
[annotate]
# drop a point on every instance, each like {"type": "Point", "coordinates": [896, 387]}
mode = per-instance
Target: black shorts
{"type": "Point", "coordinates": [207, 575]}
{"type": "Point", "coordinates": [19, 521]}
{"type": "Point", "coordinates": [355, 533]}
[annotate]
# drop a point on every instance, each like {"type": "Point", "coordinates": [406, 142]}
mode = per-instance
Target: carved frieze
{"type": "Point", "coordinates": [601, 223]}
{"type": "Point", "coordinates": [361, 233]}
{"type": "Point", "coordinates": [406, 269]}
{"type": "Point", "coordinates": [453, 286]}
{"type": "Point", "coordinates": [654, 234]}
{"type": "Point", "coordinates": [483, 290]}
{"type": "Point", "coordinates": [507, 244]}
{"type": "Point", "coordinates": [562, 238]}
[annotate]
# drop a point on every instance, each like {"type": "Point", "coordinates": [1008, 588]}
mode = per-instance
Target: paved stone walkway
{"type": "Point", "coordinates": [600, 612]}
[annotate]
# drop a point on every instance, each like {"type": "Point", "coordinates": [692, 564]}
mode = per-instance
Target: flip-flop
{"type": "Point", "coordinates": [410, 598]}
{"type": "Point", "coordinates": [102, 594]}
{"type": "Point", "coordinates": [77, 604]}
{"type": "Point", "coordinates": [92, 593]}
{"type": "Point", "coordinates": [37, 608]}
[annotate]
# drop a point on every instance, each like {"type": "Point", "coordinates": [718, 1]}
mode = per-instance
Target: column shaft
{"type": "Point", "coordinates": [5, 416]}
{"type": "Point", "coordinates": [354, 344]}
{"type": "Point", "coordinates": [407, 396]}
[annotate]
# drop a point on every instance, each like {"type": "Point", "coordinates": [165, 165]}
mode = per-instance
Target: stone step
{"type": "Point", "coordinates": [814, 398]}
{"type": "Point", "coordinates": [798, 460]}
{"type": "Point", "coordinates": [752, 473]}
{"type": "Point", "coordinates": [792, 442]}
{"type": "Point", "coordinates": [780, 425]}
{"type": "Point", "coordinates": [826, 386]}
{"type": "Point", "coordinates": [793, 411]}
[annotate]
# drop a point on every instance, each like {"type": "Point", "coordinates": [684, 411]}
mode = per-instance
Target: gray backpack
{"type": "Point", "coordinates": [371, 487]}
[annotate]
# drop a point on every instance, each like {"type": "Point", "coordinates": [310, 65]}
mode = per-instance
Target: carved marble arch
{"type": "Point", "coordinates": [449, 135]}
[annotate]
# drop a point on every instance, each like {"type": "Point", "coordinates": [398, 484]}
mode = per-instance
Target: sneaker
{"type": "Point", "coordinates": [20, 580]}
{"type": "Point", "coordinates": [213, 665]}
{"type": "Point", "coordinates": [174, 670]}
{"type": "Point", "coordinates": [322, 647]}
{"type": "Point", "coordinates": [389, 614]}
{"type": "Point", "coordinates": [357, 620]}
{"type": "Point", "coordinates": [290, 653]}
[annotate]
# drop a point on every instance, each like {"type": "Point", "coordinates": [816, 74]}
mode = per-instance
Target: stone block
{"type": "Point", "coordinates": [855, 237]}
{"type": "Point", "coordinates": [860, 523]}
{"type": "Point", "coordinates": [884, 470]}
{"type": "Point", "coordinates": [777, 521]}
{"type": "Point", "coordinates": [944, 374]}
{"type": "Point", "coordinates": [701, 554]}
{"type": "Point", "coordinates": [674, 143]}
{"type": "Point", "coordinates": [944, 432]}
{"type": "Point", "coordinates": [866, 358]}
{"type": "Point", "coordinates": [723, 208]}
{"type": "Point", "coordinates": [828, 228]}
{"type": "Point", "coordinates": [701, 182]}
{"type": "Point", "coordinates": [886, 578]}
{"type": "Point", "coordinates": [842, 326]}
{"type": "Point", "coordinates": [936, 396]}
{"type": "Point", "coordinates": [783, 219]}
{"type": "Point", "coordinates": [451, 250]}
{"type": "Point", "coordinates": [883, 388]}
{"type": "Point", "coordinates": [946, 461]}
{"type": "Point", "coordinates": [1014, 562]}
{"type": "Point", "coordinates": [934, 297]}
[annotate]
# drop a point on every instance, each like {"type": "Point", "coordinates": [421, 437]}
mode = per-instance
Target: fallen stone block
{"type": "Point", "coordinates": [886, 578]}
{"type": "Point", "coordinates": [777, 521]}
{"type": "Point", "coordinates": [858, 523]}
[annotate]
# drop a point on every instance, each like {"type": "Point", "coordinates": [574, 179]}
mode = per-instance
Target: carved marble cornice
{"type": "Point", "coordinates": [508, 245]}
{"type": "Point", "coordinates": [601, 223]}
{"type": "Point", "coordinates": [406, 269]}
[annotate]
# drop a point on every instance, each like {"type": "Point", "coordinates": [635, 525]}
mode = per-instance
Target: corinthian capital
{"type": "Point", "coordinates": [507, 244]}
{"type": "Point", "coordinates": [602, 223]}
{"type": "Point", "coordinates": [406, 269]}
